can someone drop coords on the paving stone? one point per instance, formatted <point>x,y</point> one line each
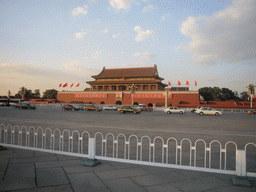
<point>155,170</point>
<point>122,165</point>
<point>33,159</point>
<point>123,184</point>
<point>162,188</point>
<point>86,182</point>
<point>147,180</point>
<point>39,153</point>
<point>234,189</point>
<point>3,164</point>
<point>192,174</point>
<point>113,174</point>
<point>61,188</point>
<point>19,176</point>
<point>200,184</point>
<point>66,157</point>
<point>58,164</point>
<point>51,177</point>
<point>83,169</point>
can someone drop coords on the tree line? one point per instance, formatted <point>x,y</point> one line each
<point>29,94</point>
<point>222,94</point>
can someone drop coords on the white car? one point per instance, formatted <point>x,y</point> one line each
<point>110,107</point>
<point>208,111</point>
<point>170,110</point>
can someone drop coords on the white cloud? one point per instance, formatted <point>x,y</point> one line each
<point>164,16</point>
<point>96,55</point>
<point>106,30</point>
<point>227,36</point>
<point>145,55</point>
<point>143,35</point>
<point>80,35</point>
<point>116,35</point>
<point>79,10</point>
<point>120,4</point>
<point>149,8</point>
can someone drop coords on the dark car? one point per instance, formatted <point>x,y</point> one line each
<point>69,108</point>
<point>26,106</point>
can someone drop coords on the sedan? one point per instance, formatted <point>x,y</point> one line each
<point>4,105</point>
<point>174,110</point>
<point>69,108</point>
<point>128,109</point>
<point>26,106</point>
<point>208,111</point>
<point>253,111</point>
<point>110,107</point>
<point>92,108</point>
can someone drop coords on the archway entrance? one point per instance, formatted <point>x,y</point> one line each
<point>118,103</point>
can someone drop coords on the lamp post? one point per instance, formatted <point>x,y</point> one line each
<point>250,91</point>
<point>132,90</point>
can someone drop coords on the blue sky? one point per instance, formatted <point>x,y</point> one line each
<point>45,43</point>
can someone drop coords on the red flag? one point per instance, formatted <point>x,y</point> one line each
<point>178,82</point>
<point>60,85</point>
<point>169,83</point>
<point>23,96</point>
<point>187,83</point>
<point>65,85</point>
<point>72,85</point>
<point>195,83</point>
<point>78,85</point>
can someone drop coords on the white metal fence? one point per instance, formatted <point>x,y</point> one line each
<point>198,155</point>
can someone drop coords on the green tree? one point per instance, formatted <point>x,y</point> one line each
<point>206,93</point>
<point>217,94</point>
<point>37,94</point>
<point>244,96</point>
<point>50,94</point>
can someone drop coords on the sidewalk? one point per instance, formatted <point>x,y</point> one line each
<point>25,170</point>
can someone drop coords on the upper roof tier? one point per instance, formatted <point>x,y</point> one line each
<point>128,72</point>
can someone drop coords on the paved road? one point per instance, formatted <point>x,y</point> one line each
<point>237,127</point>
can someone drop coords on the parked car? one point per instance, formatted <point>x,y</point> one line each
<point>79,106</point>
<point>253,111</point>
<point>92,108</point>
<point>208,111</point>
<point>69,108</point>
<point>4,104</point>
<point>128,109</point>
<point>194,110</point>
<point>110,107</point>
<point>143,107</point>
<point>26,105</point>
<point>170,110</point>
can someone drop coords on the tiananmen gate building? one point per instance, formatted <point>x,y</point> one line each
<point>113,87</point>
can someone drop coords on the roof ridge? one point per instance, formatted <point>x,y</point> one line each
<point>128,68</point>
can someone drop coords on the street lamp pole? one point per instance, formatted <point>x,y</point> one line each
<point>250,91</point>
<point>132,90</point>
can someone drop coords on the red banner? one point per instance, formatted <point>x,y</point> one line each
<point>148,96</point>
<point>91,95</point>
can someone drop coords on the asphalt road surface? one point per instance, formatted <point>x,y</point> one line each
<point>237,127</point>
